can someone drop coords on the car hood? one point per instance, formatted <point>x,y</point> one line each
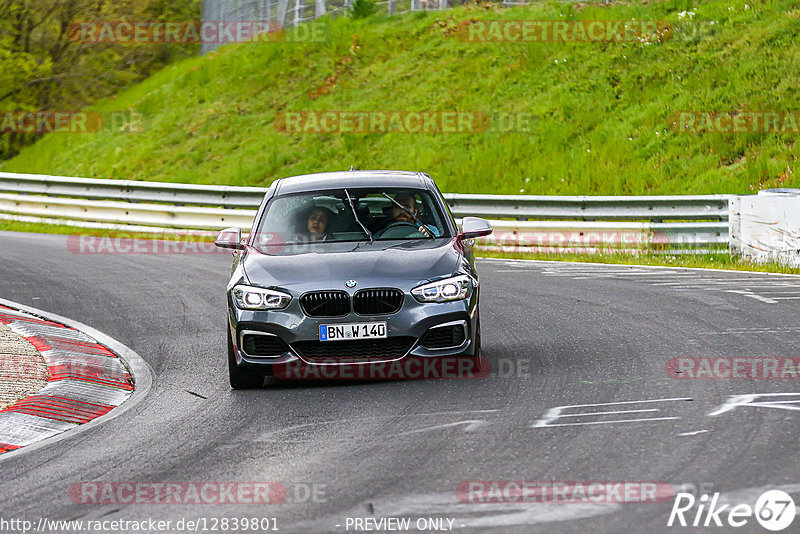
<point>369,264</point>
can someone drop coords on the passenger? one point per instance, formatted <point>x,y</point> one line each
<point>315,224</point>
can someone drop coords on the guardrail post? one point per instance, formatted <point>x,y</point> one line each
<point>283,6</point>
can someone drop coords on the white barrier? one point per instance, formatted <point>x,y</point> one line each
<point>766,227</point>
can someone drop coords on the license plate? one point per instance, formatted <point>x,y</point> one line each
<point>340,332</point>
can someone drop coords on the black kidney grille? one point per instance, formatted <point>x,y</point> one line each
<point>325,304</point>
<point>444,337</point>
<point>377,301</point>
<point>358,349</point>
<point>259,345</point>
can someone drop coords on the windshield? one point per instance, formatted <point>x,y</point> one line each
<point>329,216</point>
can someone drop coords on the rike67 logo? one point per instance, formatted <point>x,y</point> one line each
<point>774,510</point>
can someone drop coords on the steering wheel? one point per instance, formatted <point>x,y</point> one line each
<point>400,230</point>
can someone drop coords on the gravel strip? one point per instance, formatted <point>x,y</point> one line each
<point>23,371</point>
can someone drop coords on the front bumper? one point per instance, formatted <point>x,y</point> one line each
<point>413,320</point>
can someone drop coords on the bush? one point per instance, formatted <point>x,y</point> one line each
<point>362,9</point>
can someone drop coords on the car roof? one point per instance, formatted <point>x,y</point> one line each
<point>351,179</point>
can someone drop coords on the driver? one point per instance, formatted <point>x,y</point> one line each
<point>399,215</point>
<point>410,202</point>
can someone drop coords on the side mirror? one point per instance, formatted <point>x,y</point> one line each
<point>472,227</point>
<point>230,238</point>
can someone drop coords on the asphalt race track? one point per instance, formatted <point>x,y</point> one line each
<point>563,339</point>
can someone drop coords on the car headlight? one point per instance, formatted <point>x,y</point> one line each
<point>259,298</point>
<point>449,289</point>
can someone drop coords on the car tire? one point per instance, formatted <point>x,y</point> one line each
<point>478,363</point>
<point>241,378</point>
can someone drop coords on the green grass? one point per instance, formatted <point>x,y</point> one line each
<point>67,230</point>
<point>599,108</point>
<point>41,228</point>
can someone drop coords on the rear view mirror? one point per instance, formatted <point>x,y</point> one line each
<point>230,238</point>
<point>472,227</point>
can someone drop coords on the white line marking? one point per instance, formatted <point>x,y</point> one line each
<point>747,283</point>
<point>640,273</point>
<point>750,495</point>
<point>782,288</point>
<point>557,412</point>
<point>751,295</point>
<point>471,425</point>
<point>553,264</point>
<point>610,422</point>
<point>608,413</point>
<point>267,435</point>
<point>749,289</point>
<point>762,329</point>
<point>625,402</point>
<point>750,400</point>
<point>696,432</point>
<point>734,332</point>
<point>753,331</point>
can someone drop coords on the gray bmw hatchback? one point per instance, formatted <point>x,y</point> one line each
<point>355,269</point>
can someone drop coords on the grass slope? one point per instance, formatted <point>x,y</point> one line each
<point>600,108</point>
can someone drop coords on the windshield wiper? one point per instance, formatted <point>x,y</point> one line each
<point>423,229</point>
<point>355,215</point>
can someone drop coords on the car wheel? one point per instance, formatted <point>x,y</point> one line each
<point>478,363</point>
<point>241,378</point>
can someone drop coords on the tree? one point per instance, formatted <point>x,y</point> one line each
<point>44,67</point>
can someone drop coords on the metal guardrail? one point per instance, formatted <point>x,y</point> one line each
<point>133,190</point>
<point>582,222</point>
<point>592,208</point>
<point>121,213</point>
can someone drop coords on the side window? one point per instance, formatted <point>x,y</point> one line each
<point>446,206</point>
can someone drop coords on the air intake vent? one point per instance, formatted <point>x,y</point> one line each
<point>325,304</point>
<point>444,337</point>
<point>263,345</point>
<point>377,301</point>
<point>360,349</point>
